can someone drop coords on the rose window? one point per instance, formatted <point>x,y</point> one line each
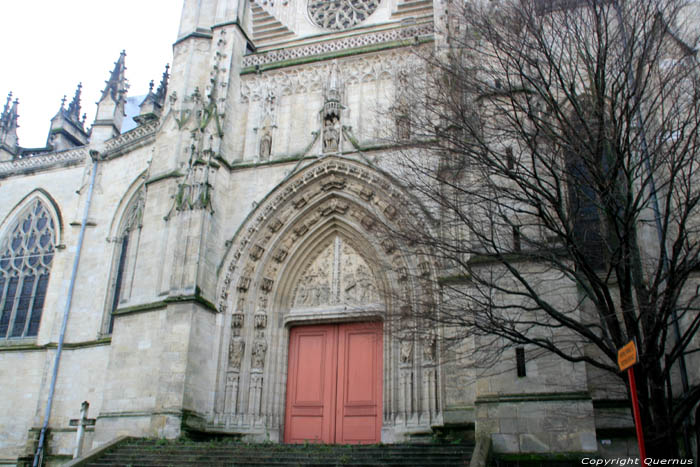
<point>341,14</point>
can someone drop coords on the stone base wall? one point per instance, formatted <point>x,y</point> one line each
<point>544,426</point>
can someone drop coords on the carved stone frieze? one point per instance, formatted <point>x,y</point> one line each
<point>294,80</point>
<point>338,274</point>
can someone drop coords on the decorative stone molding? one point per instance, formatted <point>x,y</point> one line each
<point>343,44</point>
<point>130,137</point>
<point>43,161</point>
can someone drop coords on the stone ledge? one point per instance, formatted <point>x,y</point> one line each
<point>53,345</point>
<point>145,307</point>
<point>542,397</point>
<point>333,55</point>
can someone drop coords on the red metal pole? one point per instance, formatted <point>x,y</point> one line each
<point>637,416</point>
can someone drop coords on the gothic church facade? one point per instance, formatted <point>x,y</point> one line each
<point>217,264</point>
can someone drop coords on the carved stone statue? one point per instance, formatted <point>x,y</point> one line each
<point>406,351</point>
<point>235,352</point>
<point>429,349</point>
<point>265,145</point>
<point>258,354</point>
<point>237,320</point>
<point>260,321</point>
<point>331,134</point>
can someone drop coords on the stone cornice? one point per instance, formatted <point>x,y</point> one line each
<point>43,162</point>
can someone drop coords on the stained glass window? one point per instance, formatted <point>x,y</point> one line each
<point>26,255</point>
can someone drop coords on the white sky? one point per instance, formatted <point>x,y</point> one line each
<point>48,46</point>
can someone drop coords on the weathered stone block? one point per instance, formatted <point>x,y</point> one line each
<point>504,443</point>
<point>534,442</point>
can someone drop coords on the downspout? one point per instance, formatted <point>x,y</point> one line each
<point>52,388</point>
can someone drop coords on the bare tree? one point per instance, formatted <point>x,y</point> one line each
<point>556,144</point>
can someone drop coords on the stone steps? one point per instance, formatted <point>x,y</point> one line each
<point>265,26</point>
<point>414,8</point>
<point>154,453</point>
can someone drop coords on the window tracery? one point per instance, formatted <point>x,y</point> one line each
<point>26,255</point>
<point>340,14</point>
<point>127,246</point>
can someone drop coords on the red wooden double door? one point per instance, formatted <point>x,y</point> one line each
<point>334,384</point>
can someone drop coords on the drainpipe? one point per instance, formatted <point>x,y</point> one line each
<point>52,388</point>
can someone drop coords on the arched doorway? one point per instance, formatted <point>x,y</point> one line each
<point>312,254</point>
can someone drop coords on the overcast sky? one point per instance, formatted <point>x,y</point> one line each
<point>48,46</point>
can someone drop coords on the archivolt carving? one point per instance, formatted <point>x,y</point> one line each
<point>272,234</point>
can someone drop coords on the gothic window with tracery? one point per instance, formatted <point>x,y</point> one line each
<point>340,14</point>
<point>125,255</point>
<point>26,254</point>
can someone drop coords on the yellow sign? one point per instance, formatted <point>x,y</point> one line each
<point>627,356</point>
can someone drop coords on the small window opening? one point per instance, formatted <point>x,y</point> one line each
<point>520,361</point>
<point>510,159</point>
<point>516,238</point>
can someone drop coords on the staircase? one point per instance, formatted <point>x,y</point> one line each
<point>141,452</point>
<point>267,28</point>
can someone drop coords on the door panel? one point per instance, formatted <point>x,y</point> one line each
<point>334,385</point>
<point>311,384</point>
<point>359,383</point>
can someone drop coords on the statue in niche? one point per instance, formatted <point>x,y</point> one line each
<point>265,145</point>
<point>429,349</point>
<point>235,353</point>
<point>406,351</point>
<point>403,128</point>
<point>331,134</point>
<point>258,354</point>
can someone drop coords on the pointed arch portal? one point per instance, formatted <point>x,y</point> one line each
<point>309,281</point>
